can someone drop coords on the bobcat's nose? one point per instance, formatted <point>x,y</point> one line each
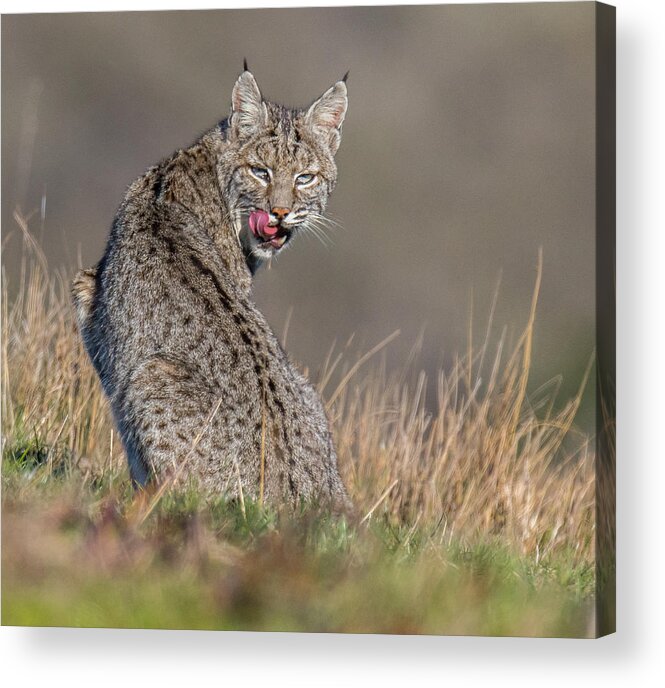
<point>280,213</point>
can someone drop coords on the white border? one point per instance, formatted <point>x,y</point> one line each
<point>70,657</point>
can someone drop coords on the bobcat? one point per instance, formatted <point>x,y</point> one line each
<point>198,383</point>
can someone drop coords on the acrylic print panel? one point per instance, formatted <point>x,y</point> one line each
<point>430,238</point>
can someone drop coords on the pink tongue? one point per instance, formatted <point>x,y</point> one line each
<point>258,223</point>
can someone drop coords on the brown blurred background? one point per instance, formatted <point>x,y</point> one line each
<point>469,143</point>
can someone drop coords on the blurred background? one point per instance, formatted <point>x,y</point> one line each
<point>468,144</point>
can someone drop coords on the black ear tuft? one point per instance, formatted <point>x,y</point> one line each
<point>346,76</point>
<point>245,68</point>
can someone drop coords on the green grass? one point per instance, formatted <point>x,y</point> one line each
<point>479,505</point>
<point>82,552</point>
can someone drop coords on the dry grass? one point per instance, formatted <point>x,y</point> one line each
<point>491,461</point>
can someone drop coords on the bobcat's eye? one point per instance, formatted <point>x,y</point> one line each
<point>303,180</point>
<point>261,173</point>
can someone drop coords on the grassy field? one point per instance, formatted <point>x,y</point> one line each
<point>474,518</point>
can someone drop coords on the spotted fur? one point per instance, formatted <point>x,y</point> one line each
<point>198,383</point>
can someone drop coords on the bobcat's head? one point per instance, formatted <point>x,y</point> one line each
<point>278,170</point>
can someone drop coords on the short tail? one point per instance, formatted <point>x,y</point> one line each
<point>83,290</point>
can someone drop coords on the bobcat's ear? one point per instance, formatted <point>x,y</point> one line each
<point>326,115</point>
<point>248,111</point>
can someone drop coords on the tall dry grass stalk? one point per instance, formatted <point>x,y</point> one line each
<point>50,392</point>
<point>490,460</point>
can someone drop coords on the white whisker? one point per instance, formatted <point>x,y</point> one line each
<point>316,232</point>
<point>327,220</point>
